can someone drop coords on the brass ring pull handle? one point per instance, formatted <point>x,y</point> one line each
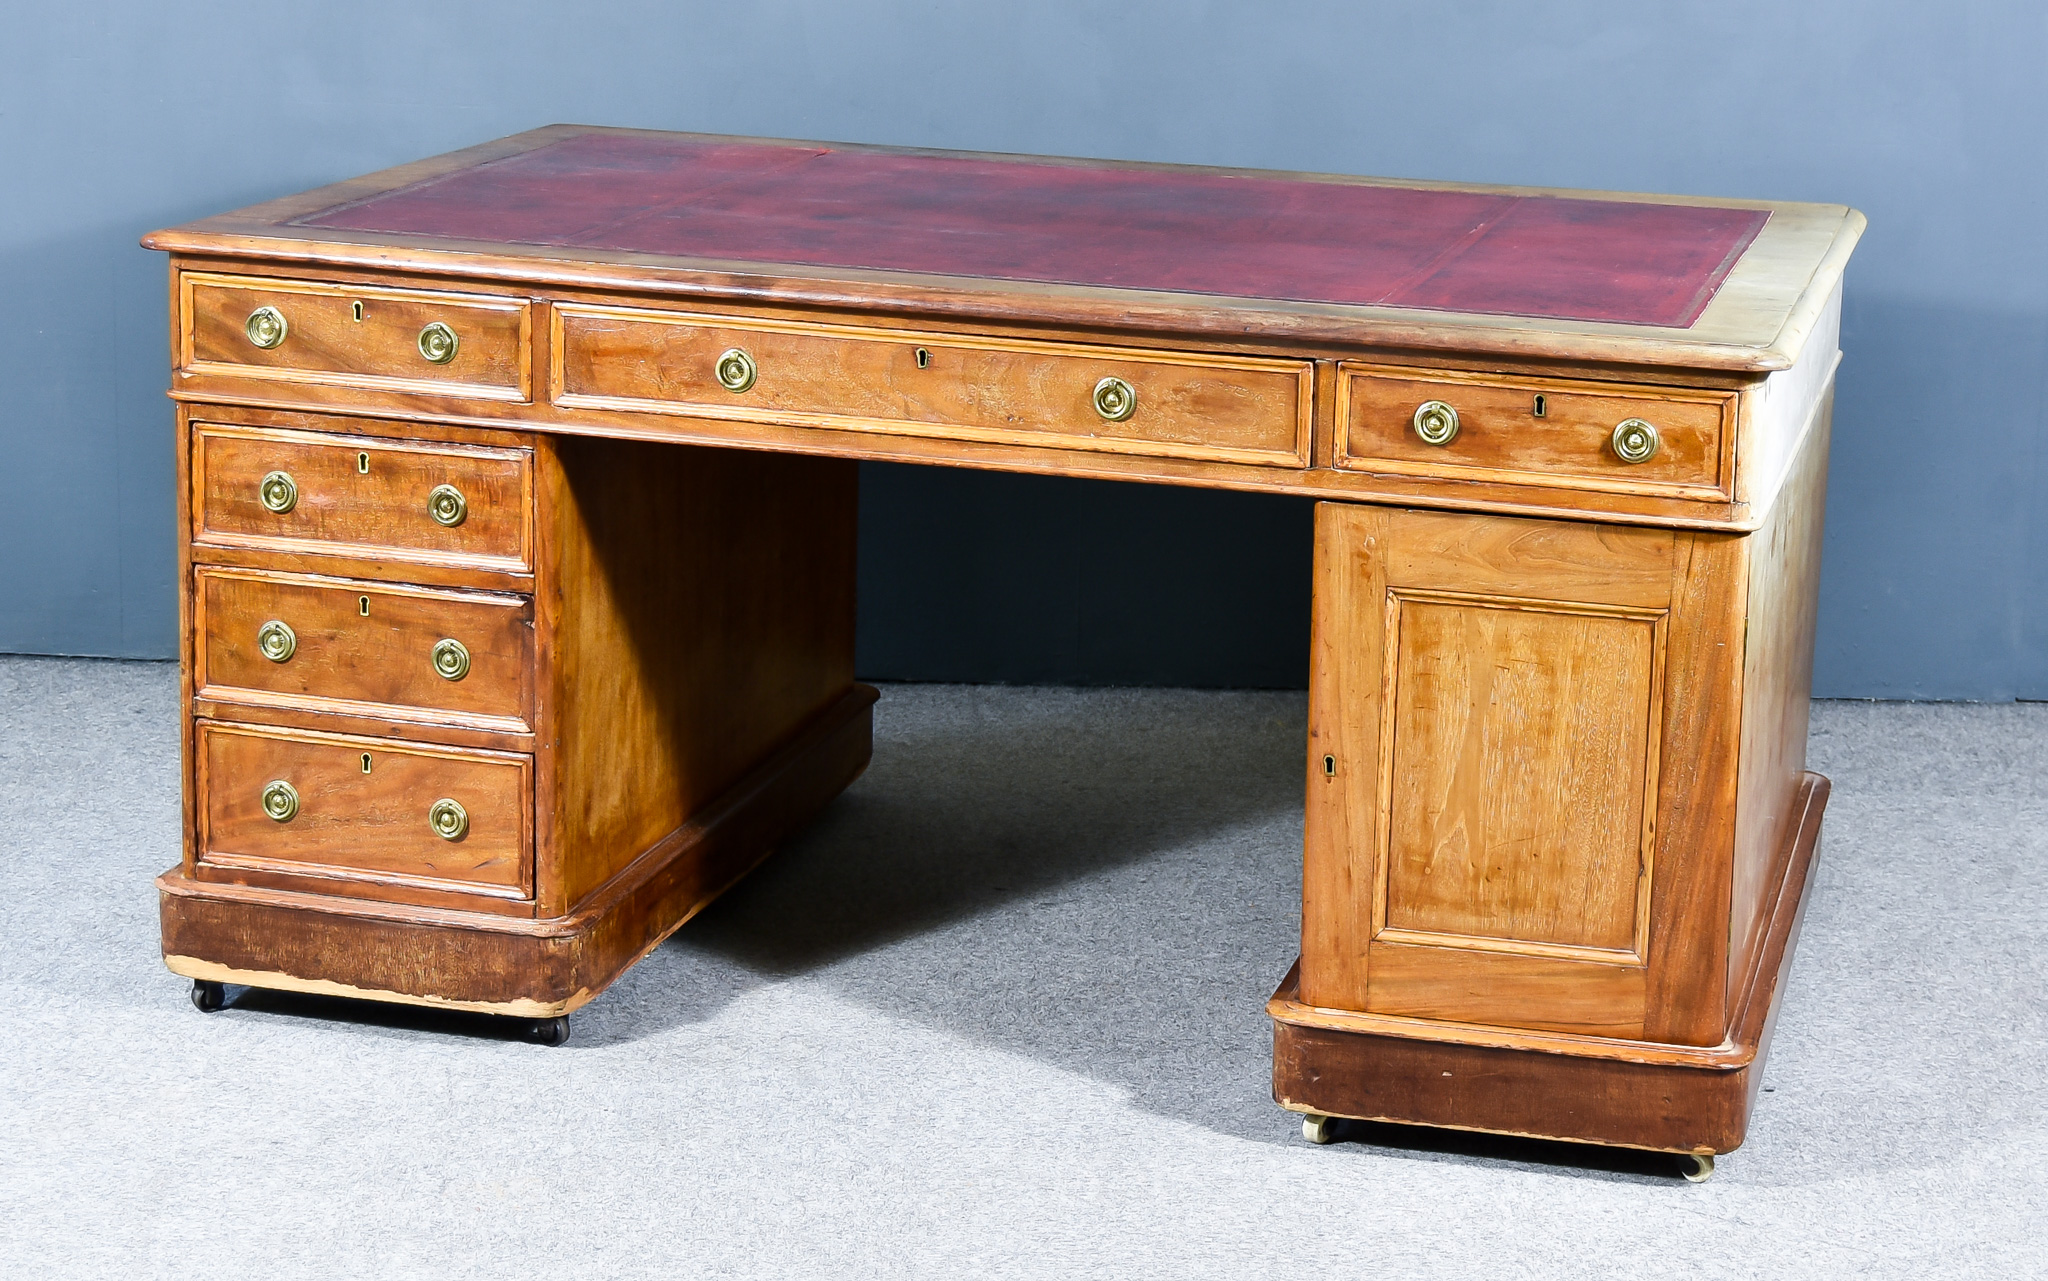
<point>266,327</point>
<point>1635,441</point>
<point>280,800</point>
<point>448,819</point>
<point>277,640</point>
<point>451,659</point>
<point>278,492</point>
<point>447,506</point>
<point>1115,399</point>
<point>438,343</point>
<point>1436,422</point>
<point>736,370</point>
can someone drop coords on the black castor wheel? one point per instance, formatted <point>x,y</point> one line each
<point>552,1031</point>
<point>208,996</point>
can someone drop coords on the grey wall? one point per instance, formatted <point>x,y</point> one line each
<point>122,116</point>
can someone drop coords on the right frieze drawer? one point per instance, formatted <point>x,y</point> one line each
<point>1670,441</point>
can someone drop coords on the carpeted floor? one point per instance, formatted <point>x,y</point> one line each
<point>998,1014</point>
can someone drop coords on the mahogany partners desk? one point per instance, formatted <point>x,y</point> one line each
<point>517,491</point>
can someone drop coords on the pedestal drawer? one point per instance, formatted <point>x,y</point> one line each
<point>956,386</point>
<point>355,335</point>
<point>313,492</point>
<point>365,810</point>
<point>337,645</point>
<point>1535,431</point>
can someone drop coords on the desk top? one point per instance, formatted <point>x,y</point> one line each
<point>1295,257</point>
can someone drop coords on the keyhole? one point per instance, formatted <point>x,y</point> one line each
<point>1330,766</point>
<point>366,762</point>
<point>924,359</point>
<point>363,606</point>
<point>355,310</point>
<point>363,464</point>
<point>1539,406</point>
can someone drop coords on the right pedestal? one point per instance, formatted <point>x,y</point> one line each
<point>1559,825</point>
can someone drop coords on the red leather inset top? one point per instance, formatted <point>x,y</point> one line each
<point>1023,220</point>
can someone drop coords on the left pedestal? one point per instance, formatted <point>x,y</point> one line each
<point>477,718</point>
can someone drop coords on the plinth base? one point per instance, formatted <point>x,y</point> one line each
<point>1670,1098</point>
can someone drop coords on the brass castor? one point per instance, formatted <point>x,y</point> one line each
<point>1317,1128</point>
<point>208,996</point>
<point>1697,1167</point>
<point>552,1031</point>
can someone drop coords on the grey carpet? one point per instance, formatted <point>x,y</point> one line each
<point>997,1014</point>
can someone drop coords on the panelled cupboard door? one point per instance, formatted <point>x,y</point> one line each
<point>1488,704</point>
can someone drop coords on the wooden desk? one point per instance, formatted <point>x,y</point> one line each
<point>518,497</point>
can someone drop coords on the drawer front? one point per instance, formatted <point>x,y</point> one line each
<point>355,335</point>
<point>362,496</point>
<point>1216,408</point>
<point>336,645</point>
<point>1535,432</point>
<point>304,803</point>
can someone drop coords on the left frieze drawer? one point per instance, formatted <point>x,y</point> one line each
<point>472,345</point>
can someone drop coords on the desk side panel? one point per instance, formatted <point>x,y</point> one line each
<point>704,606</point>
<point>1777,682</point>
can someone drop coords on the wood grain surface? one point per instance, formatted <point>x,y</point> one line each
<point>703,608</point>
<point>932,383</point>
<point>1502,437</point>
<point>361,496</point>
<point>1777,680</point>
<point>1521,740</point>
<point>361,828</point>
<point>365,647</point>
<point>358,335</point>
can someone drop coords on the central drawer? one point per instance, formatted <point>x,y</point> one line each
<point>336,645</point>
<point>368,810</point>
<point>953,386</point>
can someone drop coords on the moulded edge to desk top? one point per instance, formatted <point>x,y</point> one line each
<point>1756,323</point>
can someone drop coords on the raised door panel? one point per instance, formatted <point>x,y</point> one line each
<point>1486,724</point>
<point>1521,775</point>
